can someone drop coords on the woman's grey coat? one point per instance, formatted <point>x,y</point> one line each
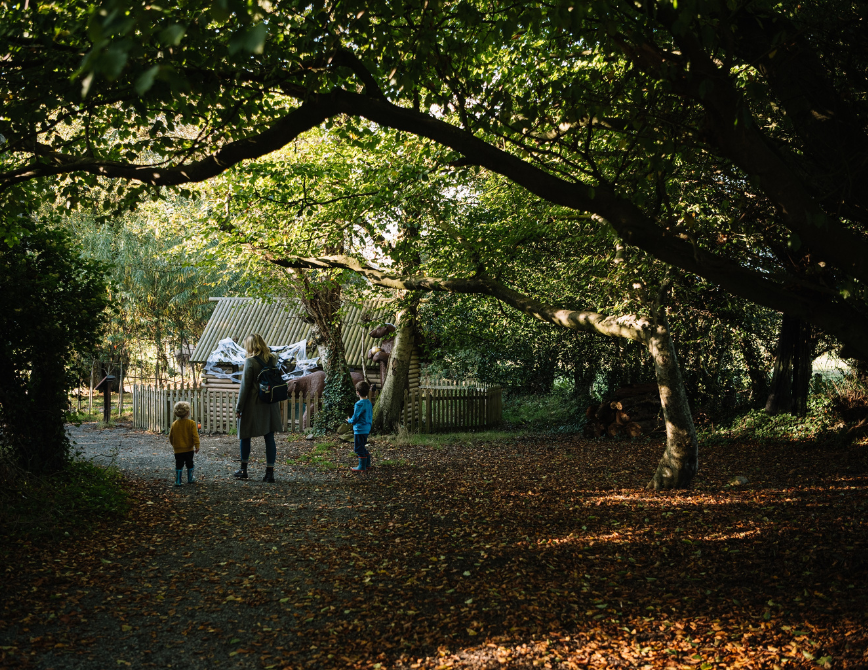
<point>257,418</point>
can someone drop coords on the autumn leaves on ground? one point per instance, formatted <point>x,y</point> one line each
<point>539,551</point>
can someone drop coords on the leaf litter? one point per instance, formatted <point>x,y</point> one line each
<point>533,552</point>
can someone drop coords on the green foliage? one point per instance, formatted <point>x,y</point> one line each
<point>159,285</point>
<point>68,502</point>
<point>594,107</point>
<point>559,411</point>
<point>822,422</point>
<point>51,300</point>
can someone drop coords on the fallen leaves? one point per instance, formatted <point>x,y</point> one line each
<point>539,552</point>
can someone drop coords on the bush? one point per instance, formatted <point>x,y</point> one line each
<point>50,303</point>
<point>71,500</point>
<point>559,411</point>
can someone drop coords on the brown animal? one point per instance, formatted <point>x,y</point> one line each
<point>310,385</point>
<point>382,331</point>
<point>313,385</point>
<point>380,354</point>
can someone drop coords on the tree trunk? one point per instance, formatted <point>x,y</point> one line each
<point>759,383</point>
<point>803,358</point>
<point>791,379</point>
<point>321,298</point>
<point>680,461</point>
<point>781,398</point>
<point>387,412</point>
<point>339,394</point>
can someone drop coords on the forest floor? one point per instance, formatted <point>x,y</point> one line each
<point>541,551</point>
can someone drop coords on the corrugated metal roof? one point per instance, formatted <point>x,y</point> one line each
<point>280,323</point>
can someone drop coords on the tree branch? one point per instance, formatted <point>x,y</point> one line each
<point>630,326</point>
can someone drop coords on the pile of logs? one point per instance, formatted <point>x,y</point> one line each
<point>632,411</point>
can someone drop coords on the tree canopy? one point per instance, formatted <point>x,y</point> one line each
<point>724,138</point>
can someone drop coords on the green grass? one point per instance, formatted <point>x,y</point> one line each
<point>65,503</point>
<point>83,417</point>
<point>322,456</point>
<point>393,462</point>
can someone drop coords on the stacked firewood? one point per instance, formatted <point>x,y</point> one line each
<point>632,411</point>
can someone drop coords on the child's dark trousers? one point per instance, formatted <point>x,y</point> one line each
<point>184,459</point>
<point>359,445</point>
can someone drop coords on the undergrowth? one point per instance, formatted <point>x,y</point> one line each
<point>558,412</point>
<point>65,503</point>
<point>832,408</point>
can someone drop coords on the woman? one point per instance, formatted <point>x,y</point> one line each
<point>256,418</point>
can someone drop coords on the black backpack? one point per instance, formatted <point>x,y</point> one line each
<point>272,387</point>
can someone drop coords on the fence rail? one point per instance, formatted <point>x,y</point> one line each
<point>426,410</point>
<point>212,409</point>
<point>431,410</point>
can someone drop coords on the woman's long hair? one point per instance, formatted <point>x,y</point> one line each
<point>256,346</point>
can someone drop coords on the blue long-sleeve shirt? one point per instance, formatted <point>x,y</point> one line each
<point>363,414</point>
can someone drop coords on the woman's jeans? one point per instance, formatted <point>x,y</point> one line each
<point>270,450</point>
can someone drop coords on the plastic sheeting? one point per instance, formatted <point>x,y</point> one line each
<point>230,353</point>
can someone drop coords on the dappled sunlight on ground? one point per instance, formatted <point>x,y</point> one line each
<point>490,555</point>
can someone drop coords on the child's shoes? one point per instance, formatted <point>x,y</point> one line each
<point>178,474</point>
<point>190,478</point>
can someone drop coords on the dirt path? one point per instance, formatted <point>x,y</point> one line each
<point>525,554</point>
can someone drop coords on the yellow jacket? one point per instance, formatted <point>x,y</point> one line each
<point>183,436</point>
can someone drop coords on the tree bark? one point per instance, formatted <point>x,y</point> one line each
<point>680,461</point>
<point>759,383</point>
<point>791,378</point>
<point>322,302</point>
<point>781,396</point>
<point>803,358</point>
<point>387,412</point>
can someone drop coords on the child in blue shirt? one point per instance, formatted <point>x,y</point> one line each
<point>363,414</point>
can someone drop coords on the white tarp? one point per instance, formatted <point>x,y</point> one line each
<point>229,353</point>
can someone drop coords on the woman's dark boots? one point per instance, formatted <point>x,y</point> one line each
<point>242,473</point>
<point>269,475</point>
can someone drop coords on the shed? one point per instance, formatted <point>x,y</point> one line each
<point>281,322</point>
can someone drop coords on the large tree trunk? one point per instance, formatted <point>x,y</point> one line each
<point>387,412</point>
<point>803,358</point>
<point>791,378</point>
<point>321,299</point>
<point>680,461</point>
<point>759,383</point>
<point>781,397</point>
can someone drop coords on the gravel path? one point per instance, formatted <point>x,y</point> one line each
<point>142,454</point>
<point>156,592</point>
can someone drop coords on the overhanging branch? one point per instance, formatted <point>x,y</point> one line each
<point>631,327</point>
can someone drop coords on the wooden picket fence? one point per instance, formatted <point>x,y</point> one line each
<point>213,409</point>
<point>426,410</point>
<point>432,410</point>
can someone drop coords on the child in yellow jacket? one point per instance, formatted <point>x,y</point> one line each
<point>183,436</point>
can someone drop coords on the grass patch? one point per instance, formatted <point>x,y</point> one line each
<point>393,463</point>
<point>65,503</point>
<point>323,456</point>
